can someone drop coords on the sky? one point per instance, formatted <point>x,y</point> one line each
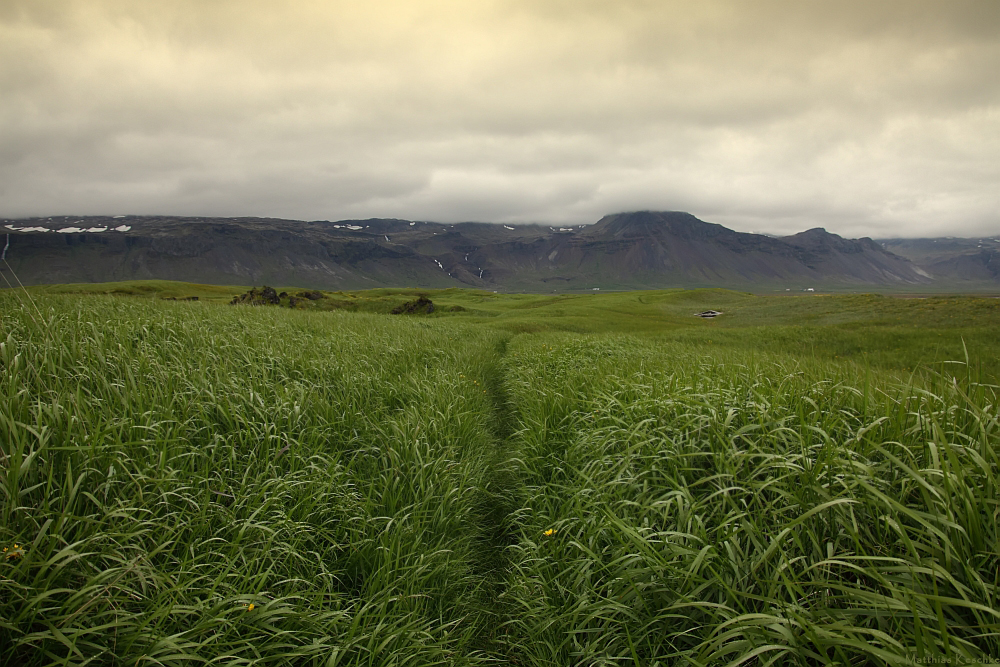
<point>868,118</point>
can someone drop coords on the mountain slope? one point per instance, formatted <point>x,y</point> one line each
<point>642,249</point>
<point>975,260</point>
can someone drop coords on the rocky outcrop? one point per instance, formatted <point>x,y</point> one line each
<point>265,296</point>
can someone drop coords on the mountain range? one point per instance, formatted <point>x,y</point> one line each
<point>636,250</point>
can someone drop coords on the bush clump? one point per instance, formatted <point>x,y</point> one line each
<point>419,306</point>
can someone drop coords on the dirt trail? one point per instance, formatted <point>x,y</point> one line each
<point>497,508</point>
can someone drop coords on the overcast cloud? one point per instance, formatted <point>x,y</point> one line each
<point>868,118</point>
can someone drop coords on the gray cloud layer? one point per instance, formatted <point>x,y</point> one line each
<point>868,118</point>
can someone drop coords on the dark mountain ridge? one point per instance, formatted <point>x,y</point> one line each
<point>636,250</point>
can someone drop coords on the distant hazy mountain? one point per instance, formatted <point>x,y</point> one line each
<point>952,259</point>
<point>627,250</point>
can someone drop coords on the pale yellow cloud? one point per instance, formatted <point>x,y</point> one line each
<point>874,118</point>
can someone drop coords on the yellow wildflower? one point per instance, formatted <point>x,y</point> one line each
<point>250,607</point>
<point>550,532</point>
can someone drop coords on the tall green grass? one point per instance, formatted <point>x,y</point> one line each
<point>712,510</point>
<point>165,467</point>
<point>393,491</point>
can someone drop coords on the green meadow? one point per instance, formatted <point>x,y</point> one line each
<point>581,479</point>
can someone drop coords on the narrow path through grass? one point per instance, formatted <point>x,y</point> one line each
<point>496,509</point>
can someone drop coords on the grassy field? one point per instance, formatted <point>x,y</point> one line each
<point>527,480</point>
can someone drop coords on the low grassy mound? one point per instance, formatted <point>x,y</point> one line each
<point>419,306</point>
